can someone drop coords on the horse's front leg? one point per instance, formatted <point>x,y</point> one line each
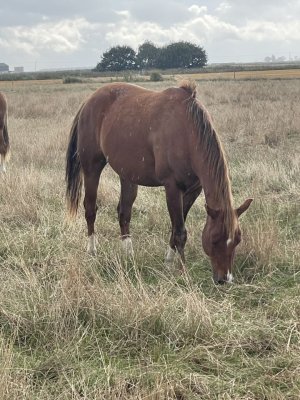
<point>127,197</point>
<point>178,237</point>
<point>2,164</point>
<point>189,197</point>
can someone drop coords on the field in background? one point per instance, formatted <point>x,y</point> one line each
<point>77,327</point>
<point>227,72</point>
<point>245,75</point>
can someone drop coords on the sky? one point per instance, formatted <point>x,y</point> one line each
<point>38,34</point>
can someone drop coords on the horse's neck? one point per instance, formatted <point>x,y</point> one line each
<point>214,198</point>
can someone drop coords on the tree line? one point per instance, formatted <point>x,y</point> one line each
<point>149,56</point>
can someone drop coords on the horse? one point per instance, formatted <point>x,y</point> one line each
<point>4,139</point>
<point>155,138</point>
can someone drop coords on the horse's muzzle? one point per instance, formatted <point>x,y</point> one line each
<point>228,278</point>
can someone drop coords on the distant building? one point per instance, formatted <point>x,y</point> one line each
<point>18,69</point>
<point>4,68</point>
<point>275,59</point>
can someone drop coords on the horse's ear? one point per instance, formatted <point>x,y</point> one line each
<point>243,207</point>
<point>211,212</point>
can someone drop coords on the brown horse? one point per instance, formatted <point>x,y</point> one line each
<point>155,139</point>
<point>4,139</point>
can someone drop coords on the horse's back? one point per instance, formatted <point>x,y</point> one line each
<point>134,109</point>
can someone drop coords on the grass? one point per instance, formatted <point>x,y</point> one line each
<point>73,326</point>
<point>250,74</point>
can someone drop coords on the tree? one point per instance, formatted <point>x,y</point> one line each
<point>118,58</point>
<point>176,55</point>
<point>147,55</point>
<point>181,55</point>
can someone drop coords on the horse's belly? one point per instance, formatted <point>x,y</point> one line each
<point>138,171</point>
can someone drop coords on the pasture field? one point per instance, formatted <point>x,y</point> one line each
<point>74,326</point>
<point>249,75</point>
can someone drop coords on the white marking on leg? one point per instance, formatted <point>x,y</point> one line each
<point>229,241</point>
<point>2,164</point>
<point>91,247</point>
<point>170,255</point>
<point>229,277</point>
<point>127,246</point>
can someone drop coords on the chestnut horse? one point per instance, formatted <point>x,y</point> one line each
<point>155,139</point>
<point>4,139</point>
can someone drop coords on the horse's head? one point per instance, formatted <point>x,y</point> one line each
<point>218,246</point>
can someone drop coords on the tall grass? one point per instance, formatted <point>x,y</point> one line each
<point>79,327</point>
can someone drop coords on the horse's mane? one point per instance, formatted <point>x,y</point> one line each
<point>216,160</point>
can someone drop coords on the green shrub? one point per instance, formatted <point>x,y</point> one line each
<point>72,79</point>
<point>156,77</point>
<point>128,76</point>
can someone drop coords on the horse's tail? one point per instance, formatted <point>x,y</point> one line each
<point>73,169</point>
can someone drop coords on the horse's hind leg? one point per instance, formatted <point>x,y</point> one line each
<point>179,234</point>
<point>127,197</point>
<point>91,182</point>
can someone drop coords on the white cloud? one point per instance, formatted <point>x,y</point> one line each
<point>240,12</point>
<point>124,13</point>
<point>197,10</point>
<point>62,36</point>
<point>202,28</point>
<point>268,30</point>
<point>223,7</point>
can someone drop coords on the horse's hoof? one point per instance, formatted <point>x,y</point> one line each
<point>92,252</point>
<point>91,247</point>
<point>170,256</point>
<point>127,247</point>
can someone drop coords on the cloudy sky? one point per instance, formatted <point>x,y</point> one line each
<point>40,34</point>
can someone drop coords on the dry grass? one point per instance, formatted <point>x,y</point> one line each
<point>77,327</point>
<point>252,75</point>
